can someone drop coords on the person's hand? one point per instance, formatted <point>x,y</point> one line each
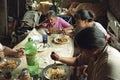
<point>19,53</point>
<point>64,31</point>
<point>54,56</point>
<point>85,72</point>
<point>44,24</point>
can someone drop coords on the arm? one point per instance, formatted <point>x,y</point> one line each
<point>67,60</point>
<point>14,53</point>
<point>79,60</point>
<point>66,26</point>
<point>43,24</point>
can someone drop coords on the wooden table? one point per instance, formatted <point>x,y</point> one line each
<point>65,50</point>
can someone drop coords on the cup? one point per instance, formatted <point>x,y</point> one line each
<point>44,37</point>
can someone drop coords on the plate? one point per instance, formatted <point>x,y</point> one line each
<point>56,73</point>
<point>10,63</point>
<point>53,30</point>
<point>61,40</point>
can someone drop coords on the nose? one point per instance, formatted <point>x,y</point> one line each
<point>50,21</point>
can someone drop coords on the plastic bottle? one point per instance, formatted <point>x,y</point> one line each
<point>32,57</point>
<point>30,47</point>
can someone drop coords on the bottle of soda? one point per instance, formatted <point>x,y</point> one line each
<point>30,47</point>
<point>32,57</point>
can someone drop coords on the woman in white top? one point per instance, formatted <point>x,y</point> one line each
<point>85,18</point>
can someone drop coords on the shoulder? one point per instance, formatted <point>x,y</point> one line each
<point>112,51</point>
<point>113,57</point>
<point>59,18</point>
<point>97,24</point>
<point>1,46</point>
<point>100,27</point>
<point>113,63</point>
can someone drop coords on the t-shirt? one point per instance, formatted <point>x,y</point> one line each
<point>105,67</point>
<point>1,47</point>
<point>96,25</point>
<point>100,27</point>
<point>60,23</point>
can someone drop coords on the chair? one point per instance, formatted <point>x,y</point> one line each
<point>29,21</point>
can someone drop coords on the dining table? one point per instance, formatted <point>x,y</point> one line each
<point>44,52</point>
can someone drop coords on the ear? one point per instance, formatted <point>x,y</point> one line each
<point>85,21</point>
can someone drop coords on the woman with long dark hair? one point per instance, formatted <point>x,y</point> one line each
<point>102,59</point>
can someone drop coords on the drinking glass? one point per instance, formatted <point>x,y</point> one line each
<point>44,37</point>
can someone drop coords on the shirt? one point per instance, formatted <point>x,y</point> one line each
<point>100,27</point>
<point>105,67</point>
<point>96,25</point>
<point>1,47</point>
<point>60,23</point>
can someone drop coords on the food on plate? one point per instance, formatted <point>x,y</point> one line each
<point>9,64</point>
<point>53,30</point>
<point>62,39</point>
<point>56,73</point>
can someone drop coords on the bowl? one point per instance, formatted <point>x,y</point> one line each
<point>56,72</point>
<point>9,64</point>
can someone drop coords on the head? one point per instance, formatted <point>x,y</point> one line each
<point>90,41</point>
<point>51,16</point>
<point>84,17</point>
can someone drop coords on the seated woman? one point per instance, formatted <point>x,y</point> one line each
<point>6,51</point>
<point>53,21</point>
<point>85,18</point>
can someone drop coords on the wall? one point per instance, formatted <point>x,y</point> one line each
<point>114,6</point>
<point>3,17</point>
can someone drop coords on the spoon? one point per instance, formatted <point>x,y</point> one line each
<point>55,65</point>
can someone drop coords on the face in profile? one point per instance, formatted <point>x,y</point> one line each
<point>52,20</point>
<point>81,23</point>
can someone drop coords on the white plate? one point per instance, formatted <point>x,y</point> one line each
<point>60,41</point>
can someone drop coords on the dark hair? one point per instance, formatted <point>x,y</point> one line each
<point>51,13</point>
<point>83,14</point>
<point>90,38</point>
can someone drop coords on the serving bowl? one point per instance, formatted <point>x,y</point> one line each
<point>9,64</point>
<point>56,72</point>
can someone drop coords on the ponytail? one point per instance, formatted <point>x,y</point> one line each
<point>91,15</point>
<point>83,14</point>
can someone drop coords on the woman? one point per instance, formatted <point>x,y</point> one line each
<point>53,21</point>
<point>85,18</point>
<point>102,59</point>
<point>6,51</point>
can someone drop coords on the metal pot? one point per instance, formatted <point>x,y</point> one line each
<point>54,65</point>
